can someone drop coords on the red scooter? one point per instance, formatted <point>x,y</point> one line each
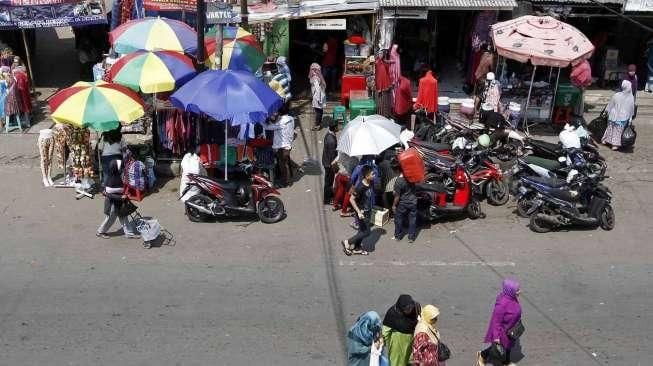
<point>452,196</point>
<point>487,179</point>
<point>220,198</point>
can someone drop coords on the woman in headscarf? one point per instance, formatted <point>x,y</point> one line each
<point>491,95</point>
<point>507,312</point>
<point>318,90</point>
<point>114,199</point>
<point>282,67</point>
<point>620,112</point>
<point>361,338</point>
<point>398,328</point>
<point>427,338</point>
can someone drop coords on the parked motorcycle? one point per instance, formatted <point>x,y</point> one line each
<point>487,178</point>
<point>233,198</point>
<point>584,202</point>
<point>451,196</point>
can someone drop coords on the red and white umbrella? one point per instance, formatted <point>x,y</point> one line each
<point>544,41</point>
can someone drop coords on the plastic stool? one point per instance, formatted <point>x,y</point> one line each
<point>9,127</point>
<point>340,114</point>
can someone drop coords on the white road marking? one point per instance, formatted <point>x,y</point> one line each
<point>426,263</point>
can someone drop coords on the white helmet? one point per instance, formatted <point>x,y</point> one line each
<point>569,139</point>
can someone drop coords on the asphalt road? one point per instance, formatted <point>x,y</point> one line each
<point>243,293</point>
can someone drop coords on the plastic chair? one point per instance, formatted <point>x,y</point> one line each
<point>340,114</point>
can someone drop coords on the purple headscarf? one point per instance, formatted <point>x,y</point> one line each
<point>510,287</point>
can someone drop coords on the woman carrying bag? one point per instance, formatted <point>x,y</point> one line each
<point>620,113</point>
<point>428,350</point>
<point>116,203</point>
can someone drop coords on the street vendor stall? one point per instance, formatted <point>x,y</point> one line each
<point>544,42</point>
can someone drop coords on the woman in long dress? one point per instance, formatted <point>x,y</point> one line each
<point>363,338</point>
<point>427,338</point>
<point>620,112</point>
<point>506,313</point>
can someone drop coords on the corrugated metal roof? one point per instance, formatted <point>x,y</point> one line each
<point>584,2</point>
<point>639,5</point>
<point>451,4</point>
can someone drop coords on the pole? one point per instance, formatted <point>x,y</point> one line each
<point>555,94</point>
<point>29,57</point>
<point>225,150</point>
<point>201,21</point>
<point>528,99</point>
<point>244,14</point>
<point>219,30</point>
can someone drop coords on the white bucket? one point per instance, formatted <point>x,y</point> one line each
<point>467,107</point>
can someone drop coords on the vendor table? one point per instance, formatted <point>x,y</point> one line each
<point>365,107</point>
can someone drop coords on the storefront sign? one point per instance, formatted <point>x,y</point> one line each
<point>326,24</point>
<point>221,13</point>
<point>24,14</point>
<point>405,14</point>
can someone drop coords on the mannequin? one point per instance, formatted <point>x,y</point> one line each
<point>12,103</point>
<point>46,149</point>
<point>427,94</point>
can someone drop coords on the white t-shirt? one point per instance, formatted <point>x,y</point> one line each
<point>284,132</point>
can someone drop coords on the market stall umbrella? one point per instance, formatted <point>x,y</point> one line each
<point>228,95</point>
<point>544,41</point>
<point>153,34</point>
<point>240,50</point>
<point>98,105</point>
<point>152,72</point>
<point>368,135</point>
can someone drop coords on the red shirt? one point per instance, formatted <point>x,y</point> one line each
<point>330,58</point>
<point>427,93</point>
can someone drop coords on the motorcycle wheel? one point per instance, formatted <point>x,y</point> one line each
<point>194,214</point>
<point>474,210</point>
<point>271,210</point>
<point>523,205</point>
<point>606,218</point>
<point>497,193</point>
<point>538,225</point>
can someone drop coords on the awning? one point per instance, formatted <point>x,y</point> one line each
<point>579,2</point>
<point>451,4</point>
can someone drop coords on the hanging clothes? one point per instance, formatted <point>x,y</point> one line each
<point>427,93</point>
<point>12,100</point>
<point>22,84</point>
<point>383,86</point>
<point>3,96</point>
<point>62,135</point>
<point>80,153</point>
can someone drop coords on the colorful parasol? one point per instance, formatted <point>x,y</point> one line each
<point>152,72</point>
<point>153,34</point>
<point>98,105</point>
<point>240,50</point>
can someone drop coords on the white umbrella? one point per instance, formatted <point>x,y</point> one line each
<point>368,135</point>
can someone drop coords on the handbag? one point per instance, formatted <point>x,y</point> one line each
<point>598,125</point>
<point>444,353</point>
<point>628,136</point>
<point>127,208</point>
<point>497,352</point>
<point>516,331</point>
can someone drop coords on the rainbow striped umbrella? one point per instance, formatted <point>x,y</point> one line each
<point>152,72</point>
<point>98,105</point>
<point>153,34</point>
<point>240,50</point>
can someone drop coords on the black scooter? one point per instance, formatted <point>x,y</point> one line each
<point>584,202</point>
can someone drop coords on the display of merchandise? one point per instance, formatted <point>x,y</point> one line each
<point>46,150</point>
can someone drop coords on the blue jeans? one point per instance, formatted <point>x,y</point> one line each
<point>406,211</point>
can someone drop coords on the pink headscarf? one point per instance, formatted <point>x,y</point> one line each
<point>510,288</point>
<point>316,72</point>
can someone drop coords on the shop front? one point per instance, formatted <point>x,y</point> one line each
<point>442,36</point>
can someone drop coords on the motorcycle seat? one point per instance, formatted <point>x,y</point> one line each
<point>551,182</point>
<point>547,164</point>
<point>435,146</point>
<point>431,187</point>
<point>545,145</point>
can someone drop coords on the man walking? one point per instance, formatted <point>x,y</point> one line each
<point>329,155</point>
<point>284,134</point>
<point>405,207</point>
<point>362,203</point>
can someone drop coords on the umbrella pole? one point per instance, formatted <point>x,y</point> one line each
<point>555,94</point>
<point>528,99</point>
<point>225,150</point>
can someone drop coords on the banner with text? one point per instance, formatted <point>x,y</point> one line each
<point>24,14</point>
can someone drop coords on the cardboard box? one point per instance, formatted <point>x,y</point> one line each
<point>380,216</point>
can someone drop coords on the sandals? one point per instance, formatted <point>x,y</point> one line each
<point>359,252</point>
<point>345,248</point>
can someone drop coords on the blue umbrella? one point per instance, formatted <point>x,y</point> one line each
<point>228,95</point>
